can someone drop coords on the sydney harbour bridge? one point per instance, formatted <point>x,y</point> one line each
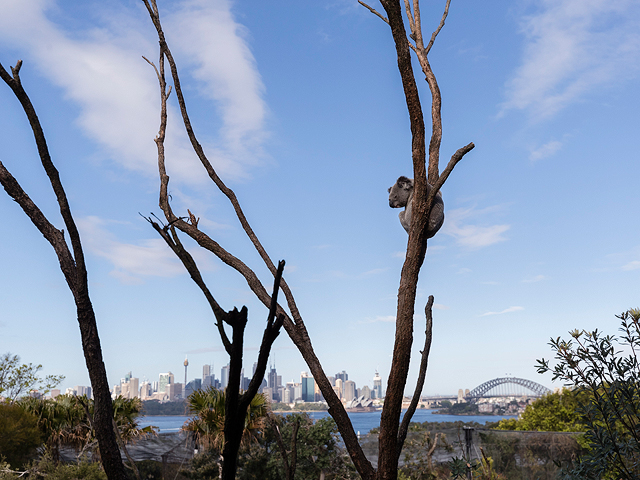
<point>506,387</point>
<point>501,387</point>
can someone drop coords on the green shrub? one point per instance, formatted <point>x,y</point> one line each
<point>19,435</point>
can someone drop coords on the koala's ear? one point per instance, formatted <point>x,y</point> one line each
<point>389,190</point>
<point>405,183</point>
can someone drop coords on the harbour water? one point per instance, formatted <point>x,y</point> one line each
<point>362,422</point>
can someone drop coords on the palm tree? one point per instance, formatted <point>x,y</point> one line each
<point>61,421</point>
<point>125,413</point>
<point>67,420</point>
<point>208,407</point>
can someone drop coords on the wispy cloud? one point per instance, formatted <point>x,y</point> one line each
<point>439,306</point>
<point>101,70</point>
<point>634,265</point>
<point>545,151</point>
<point>469,235</point>
<point>506,310</point>
<point>627,260</point>
<point>149,257</point>
<point>573,47</point>
<point>537,278</point>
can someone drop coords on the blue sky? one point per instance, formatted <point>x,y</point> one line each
<point>300,107</point>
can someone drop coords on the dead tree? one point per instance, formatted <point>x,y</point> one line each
<point>392,434</point>
<point>236,404</point>
<point>75,273</point>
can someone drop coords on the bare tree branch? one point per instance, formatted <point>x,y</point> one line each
<point>75,273</point>
<point>437,31</point>
<point>408,415</point>
<point>295,328</point>
<point>372,10</point>
<point>289,462</point>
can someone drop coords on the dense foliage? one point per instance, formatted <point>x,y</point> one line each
<point>554,412</point>
<point>67,421</point>
<point>155,407</point>
<point>19,434</point>
<point>47,469</point>
<point>318,450</point>
<point>604,368</point>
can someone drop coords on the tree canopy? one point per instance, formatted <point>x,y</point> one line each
<point>17,380</point>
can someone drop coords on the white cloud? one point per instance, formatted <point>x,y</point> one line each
<point>537,278</point>
<point>506,310</point>
<point>545,151</point>
<point>439,306</point>
<point>472,236</point>
<point>150,257</point>
<point>573,47</point>
<point>634,265</point>
<point>101,70</point>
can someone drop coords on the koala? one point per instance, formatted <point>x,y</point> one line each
<point>401,195</point>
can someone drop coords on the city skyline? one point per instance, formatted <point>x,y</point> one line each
<point>166,388</point>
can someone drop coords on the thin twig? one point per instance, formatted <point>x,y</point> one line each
<point>435,34</point>
<point>374,11</point>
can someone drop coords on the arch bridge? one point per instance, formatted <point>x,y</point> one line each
<point>483,390</point>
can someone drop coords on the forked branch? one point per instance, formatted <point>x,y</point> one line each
<point>294,325</point>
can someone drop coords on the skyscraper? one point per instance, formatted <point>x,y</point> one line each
<point>377,385</point>
<point>186,364</point>
<point>349,389</point>
<point>272,379</point>
<point>308,387</point>
<point>224,376</point>
<point>164,380</point>
<point>342,376</point>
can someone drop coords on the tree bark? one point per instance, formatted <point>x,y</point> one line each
<point>75,273</point>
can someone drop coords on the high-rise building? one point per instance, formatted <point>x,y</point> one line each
<point>338,388</point>
<point>342,376</point>
<point>274,382</point>
<point>164,380</point>
<point>297,392</point>
<point>377,385</point>
<point>268,393</point>
<point>206,371</point>
<point>134,389</point>
<point>174,391</point>
<point>349,390</point>
<point>308,387</point>
<point>224,376</point>
<point>80,390</point>
<point>192,386</point>
<point>365,392</point>
<point>272,378</point>
<point>55,392</point>
<point>145,391</point>
<point>186,364</point>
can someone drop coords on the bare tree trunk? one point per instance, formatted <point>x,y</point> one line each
<point>75,273</point>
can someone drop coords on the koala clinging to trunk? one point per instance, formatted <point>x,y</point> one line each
<point>401,195</point>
